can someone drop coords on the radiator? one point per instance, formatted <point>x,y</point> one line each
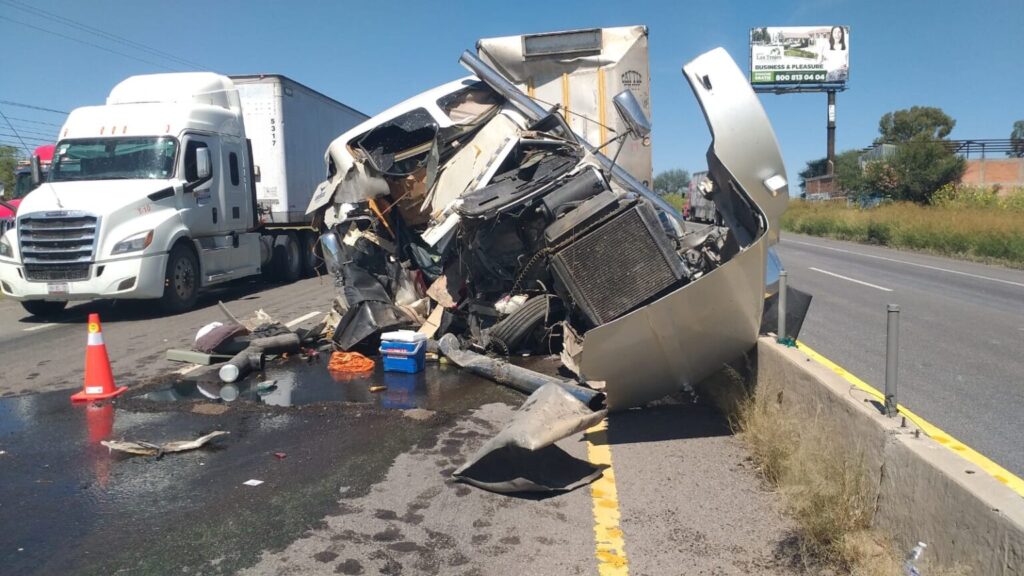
<point>619,266</point>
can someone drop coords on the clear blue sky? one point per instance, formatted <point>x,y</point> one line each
<point>965,57</point>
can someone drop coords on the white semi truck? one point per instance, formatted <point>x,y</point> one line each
<point>180,182</point>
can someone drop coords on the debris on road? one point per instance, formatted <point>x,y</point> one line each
<point>524,458</point>
<point>253,482</point>
<point>350,363</point>
<point>148,449</point>
<point>252,358</point>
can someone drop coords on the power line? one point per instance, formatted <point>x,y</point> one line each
<point>101,33</point>
<point>28,138</point>
<point>87,43</point>
<point>13,129</point>
<point>33,121</point>
<point>30,106</point>
<point>34,132</point>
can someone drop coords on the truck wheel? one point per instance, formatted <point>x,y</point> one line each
<point>43,308</point>
<point>287,260</point>
<point>312,262</point>
<point>181,284</point>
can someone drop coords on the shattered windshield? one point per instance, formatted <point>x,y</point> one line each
<point>400,146</point>
<point>114,159</point>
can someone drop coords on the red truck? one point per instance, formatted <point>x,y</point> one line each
<point>23,185</point>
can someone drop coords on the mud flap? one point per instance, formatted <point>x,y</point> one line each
<point>524,458</point>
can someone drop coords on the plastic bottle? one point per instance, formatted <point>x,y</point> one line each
<point>910,564</point>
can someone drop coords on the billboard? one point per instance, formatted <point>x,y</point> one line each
<point>792,55</point>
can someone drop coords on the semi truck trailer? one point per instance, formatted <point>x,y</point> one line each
<point>180,182</point>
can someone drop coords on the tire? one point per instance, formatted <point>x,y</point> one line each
<point>43,308</point>
<point>181,281</point>
<point>287,260</point>
<point>312,262</point>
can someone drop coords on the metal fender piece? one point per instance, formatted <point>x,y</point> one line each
<point>523,457</point>
<point>688,334</point>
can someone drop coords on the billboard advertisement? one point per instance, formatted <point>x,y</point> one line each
<point>787,56</point>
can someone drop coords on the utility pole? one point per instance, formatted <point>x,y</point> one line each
<point>831,132</point>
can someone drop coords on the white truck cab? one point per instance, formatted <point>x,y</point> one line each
<point>153,196</point>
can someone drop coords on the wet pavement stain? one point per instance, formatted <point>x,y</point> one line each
<point>73,497</point>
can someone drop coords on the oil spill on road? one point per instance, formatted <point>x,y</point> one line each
<point>299,383</point>
<point>81,509</point>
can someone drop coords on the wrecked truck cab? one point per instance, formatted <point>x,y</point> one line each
<point>473,210</point>
<point>403,142</point>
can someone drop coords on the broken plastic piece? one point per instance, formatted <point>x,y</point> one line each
<point>146,449</point>
<point>523,457</point>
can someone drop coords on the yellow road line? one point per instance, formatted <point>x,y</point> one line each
<point>610,548</point>
<point>966,452</point>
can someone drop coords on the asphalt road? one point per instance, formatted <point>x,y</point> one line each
<point>39,356</point>
<point>353,482</point>
<point>961,333</point>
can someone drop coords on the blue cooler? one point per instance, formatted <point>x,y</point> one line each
<point>403,351</point>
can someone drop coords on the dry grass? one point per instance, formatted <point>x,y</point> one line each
<point>828,493</point>
<point>962,228</point>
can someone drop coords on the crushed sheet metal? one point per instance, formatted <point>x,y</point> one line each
<point>524,458</point>
<point>688,334</point>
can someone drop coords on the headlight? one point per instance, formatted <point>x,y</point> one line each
<point>5,248</point>
<point>133,243</point>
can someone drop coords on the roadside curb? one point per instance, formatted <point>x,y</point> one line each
<point>925,491</point>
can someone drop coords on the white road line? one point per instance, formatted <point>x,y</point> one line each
<point>302,318</point>
<point>868,284</point>
<point>978,276</point>
<point>40,327</point>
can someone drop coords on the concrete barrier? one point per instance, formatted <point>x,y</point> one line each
<point>925,491</point>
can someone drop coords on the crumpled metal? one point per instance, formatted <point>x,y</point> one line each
<point>524,458</point>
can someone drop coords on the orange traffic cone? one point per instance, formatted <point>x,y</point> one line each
<point>99,380</point>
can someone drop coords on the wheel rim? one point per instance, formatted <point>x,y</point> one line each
<point>184,278</point>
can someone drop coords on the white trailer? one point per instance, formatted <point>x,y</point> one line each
<point>179,182</point>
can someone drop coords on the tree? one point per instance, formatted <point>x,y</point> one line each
<point>919,168</point>
<point>1017,140</point>
<point>672,181</point>
<point>905,125</point>
<point>8,163</point>
<point>848,174</point>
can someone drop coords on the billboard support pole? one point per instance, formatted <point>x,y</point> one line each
<point>831,133</point>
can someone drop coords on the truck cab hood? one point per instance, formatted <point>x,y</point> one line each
<point>99,197</point>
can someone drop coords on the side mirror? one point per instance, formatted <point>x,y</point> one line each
<point>331,245</point>
<point>632,114</point>
<point>203,163</point>
<point>37,172</point>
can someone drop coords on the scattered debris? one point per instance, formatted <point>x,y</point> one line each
<point>252,358</point>
<point>193,357</point>
<point>280,455</point>
<point>350,363</point>
<point>208,409</point>
<point>418,413</point>
<point>378,388</point>
<point>147,449</point>
<point>253,482</point>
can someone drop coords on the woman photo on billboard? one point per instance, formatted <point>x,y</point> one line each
<point>836,58</point>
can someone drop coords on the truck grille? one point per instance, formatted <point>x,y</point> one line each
<point>50,272</point>
<point>5,225</point>
<point>61,243</point>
